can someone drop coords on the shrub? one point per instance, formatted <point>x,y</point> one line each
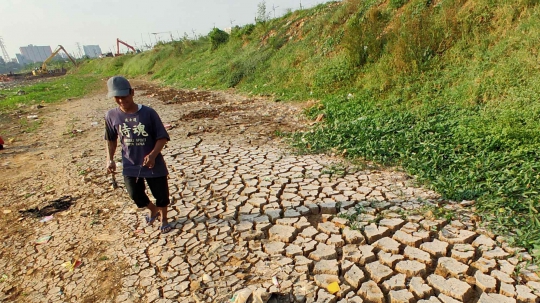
<point>217,38</point>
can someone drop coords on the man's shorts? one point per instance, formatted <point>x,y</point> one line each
<point>158,186</point>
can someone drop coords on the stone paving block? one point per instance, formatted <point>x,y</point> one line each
<point>486,283</point>
<point>506,267</point>
<point>492,298</point>
<point>460,236</point>
<point>328,208</point>
<point>328,228</point>
<point>464,253</point>
<point>449,267</point>
<point>291,213</point>
<point>497,253</point>
<point>414,253</point>
<point>362,254</point>
<point>446,299</point>
<point>524,294</point>
<point>389,259</point>
<point>303,261</point>
<point>507,290</point>
<point>411,268</point>
<point>401,296</point>
<point>436,248</point>
<point>392,224</point>
<point>432,299</point>
<point>323,252</point>
<point>323,280</point>
<point>388,245</point>
<point>335,240</point>
<point>309,232</point>
<point>293,250</point>
<point>396,282</point>
<point>484,265</point>
<point>407,239</point>
<point>352,236</point>
<point>374,232</point>
<point>325,296</point>
<point>354,276</point>
<point>501,276</point>
<point>282,233</point>
<point>287,221</point>
<point>329,267</point>
<point>485,241</point>
<point>378,272</point>
<point>452,287</point>
<point>321,237</point>
<point>431,224</point>
<point>419,288</point>
<point>410,227</point>
<point>371,293</point>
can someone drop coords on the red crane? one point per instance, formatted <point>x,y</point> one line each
<point>118,42</point>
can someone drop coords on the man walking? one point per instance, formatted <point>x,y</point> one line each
<point>142,136</point>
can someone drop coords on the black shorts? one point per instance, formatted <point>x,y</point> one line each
<point>158,186</point>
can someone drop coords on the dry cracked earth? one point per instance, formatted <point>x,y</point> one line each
<point>253,221</point>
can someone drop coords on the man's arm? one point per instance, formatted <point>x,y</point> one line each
<point>111,149</point>
<point>150,160</point>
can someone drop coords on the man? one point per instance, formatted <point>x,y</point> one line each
<point>142,136</point>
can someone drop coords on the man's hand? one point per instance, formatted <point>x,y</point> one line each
<point>149,161</point>
<point>111,167</point>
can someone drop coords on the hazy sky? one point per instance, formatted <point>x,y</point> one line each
<point>91,22</point>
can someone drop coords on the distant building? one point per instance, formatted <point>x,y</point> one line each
<point>22,59</point>
<point>92,51</point>
<point>36,53</point>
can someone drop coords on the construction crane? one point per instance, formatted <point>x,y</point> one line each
<point>4,52</point>
<point>118,42</point>
<point>43,69</point>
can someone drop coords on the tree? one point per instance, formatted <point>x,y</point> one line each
<point>262,14</point>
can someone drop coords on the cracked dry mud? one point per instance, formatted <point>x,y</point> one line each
<point>247,213</point>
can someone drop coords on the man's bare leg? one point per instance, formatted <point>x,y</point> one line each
<point>165,227</point>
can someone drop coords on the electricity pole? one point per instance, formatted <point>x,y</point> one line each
<point>274,9</point>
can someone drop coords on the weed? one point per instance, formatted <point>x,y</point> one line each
<point>103,258</point>
<point>445,91</point>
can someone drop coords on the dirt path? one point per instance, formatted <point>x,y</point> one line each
<point>244,209</point>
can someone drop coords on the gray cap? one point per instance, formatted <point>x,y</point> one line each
<point>118,86</point>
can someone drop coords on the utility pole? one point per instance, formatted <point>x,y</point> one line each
<point>300,4</point>
<point>274,8</point>
<point>4,51</point>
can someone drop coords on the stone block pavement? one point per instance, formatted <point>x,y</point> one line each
<point>260,222</point>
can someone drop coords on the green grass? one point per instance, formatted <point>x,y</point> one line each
<point>448,90</point>
<point>50,90</point>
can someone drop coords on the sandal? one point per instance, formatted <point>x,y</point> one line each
<point>150,220</point>
<point>166,228</point>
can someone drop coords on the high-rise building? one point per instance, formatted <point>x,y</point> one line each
<point>92,51</point>
<point>22,59</point>
<point>36,53</point>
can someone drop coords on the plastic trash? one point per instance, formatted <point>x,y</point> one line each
<point>46,219</point>
<point>43,240</point>
<point>275,281</point>
<point>333,287</point>
<point>71,265</point>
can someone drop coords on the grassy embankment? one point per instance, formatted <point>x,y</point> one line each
<point>448,90</point>
<point>48,90</point>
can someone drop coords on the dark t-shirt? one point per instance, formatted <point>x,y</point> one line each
<point>138,134</point>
